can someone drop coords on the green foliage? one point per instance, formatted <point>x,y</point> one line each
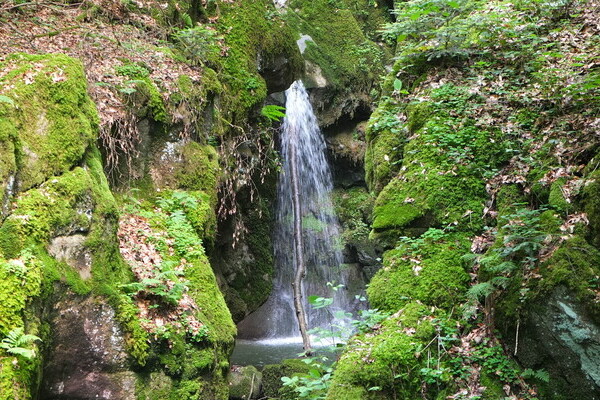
<point>165,283</point>
<point>273,112</point>
<point>538,374</point>
<point>313,385</point>
<point>19,344</point>
<point>132,70</point>
<point>522,238</point>
<point>431,26</point>
<point>199,45</point>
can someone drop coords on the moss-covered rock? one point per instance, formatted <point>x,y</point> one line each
<point>433,274</point>
<point>254,35</point>
<point>390,360</point>
<point>50,122</point>
<point>244,383</point>
<point>273,373</point>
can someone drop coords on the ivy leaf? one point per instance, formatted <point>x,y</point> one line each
<point>6,99</point>
<point>397,85</point>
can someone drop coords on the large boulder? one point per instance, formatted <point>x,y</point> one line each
<point>87,357</point>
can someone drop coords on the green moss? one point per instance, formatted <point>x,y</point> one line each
<point>591,205</point>
<point>198,170</point>
<point>154,386</point>
<point>273,373</point>
<point>214,312</point>
<point>556,199</point>
<point>56,121</point>
<point>20,284</point>
<point>136,337</point>
<point>20,281</point>
<point>441,176</point>
<point>353,208</point>
<point>143,98</point>
<point>433,274</point>
<point>50,209</point>
<point>180,221</point>
<point>339,46</point>
<point>384,152</point>
<point>576,264</point>
<point>417,115</point>
<point>389,360</point>
<point>244,383</point>
<point>254,31</point>
<point>253,284</point>
<point>493,387</point>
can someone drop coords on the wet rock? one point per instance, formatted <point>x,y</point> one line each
<point>278,73</point>
<point>87,358</point>
<point>560,336</point>
<point>244,382</point>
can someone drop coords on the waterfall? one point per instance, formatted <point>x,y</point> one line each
<point>320,230</point>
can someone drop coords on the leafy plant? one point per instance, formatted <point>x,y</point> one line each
<point>314,385</point>
<point>19,344</point>
<point>198,44</point>
<point>273,112</point>
<point>6,99</point>
<point>132,70</point>
<point>165,284</point>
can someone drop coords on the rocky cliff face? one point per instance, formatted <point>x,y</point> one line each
<point>481,153</point>
<point>69,276</point>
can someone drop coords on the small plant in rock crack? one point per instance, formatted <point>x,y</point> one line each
<point>19,344</point>
<point>165,283</point>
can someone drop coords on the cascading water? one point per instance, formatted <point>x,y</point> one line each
<point>320,230</point>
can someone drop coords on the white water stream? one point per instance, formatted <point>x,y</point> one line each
<point>275,321</point>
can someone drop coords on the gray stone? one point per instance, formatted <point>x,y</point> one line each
<point>559,335</point>
<point>87,358</point>
<point>72,250</point>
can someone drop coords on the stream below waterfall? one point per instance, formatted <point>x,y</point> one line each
<point>273,328</point>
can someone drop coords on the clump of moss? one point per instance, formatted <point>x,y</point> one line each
<point>386,137</point>
<point>20,284</point>
<point>339,46</point>
<point>254,31</point>
<point>353,207</point>
<point>55,121</point>
<point>198,170</point>
<point>429,271</point>
<point>394,354</point>
<point>273,373</point>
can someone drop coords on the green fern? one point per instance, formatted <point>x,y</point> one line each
<point>538,374</point>
<point>187,20</point>
<point>17,343</point>
<point>273,112</point>
<point>480,290</point>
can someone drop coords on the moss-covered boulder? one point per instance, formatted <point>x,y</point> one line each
<point>273,373</point>
<point>244,383</point>
<point>47,119</point>
<point>343,61</point>
<point>392,360</point>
